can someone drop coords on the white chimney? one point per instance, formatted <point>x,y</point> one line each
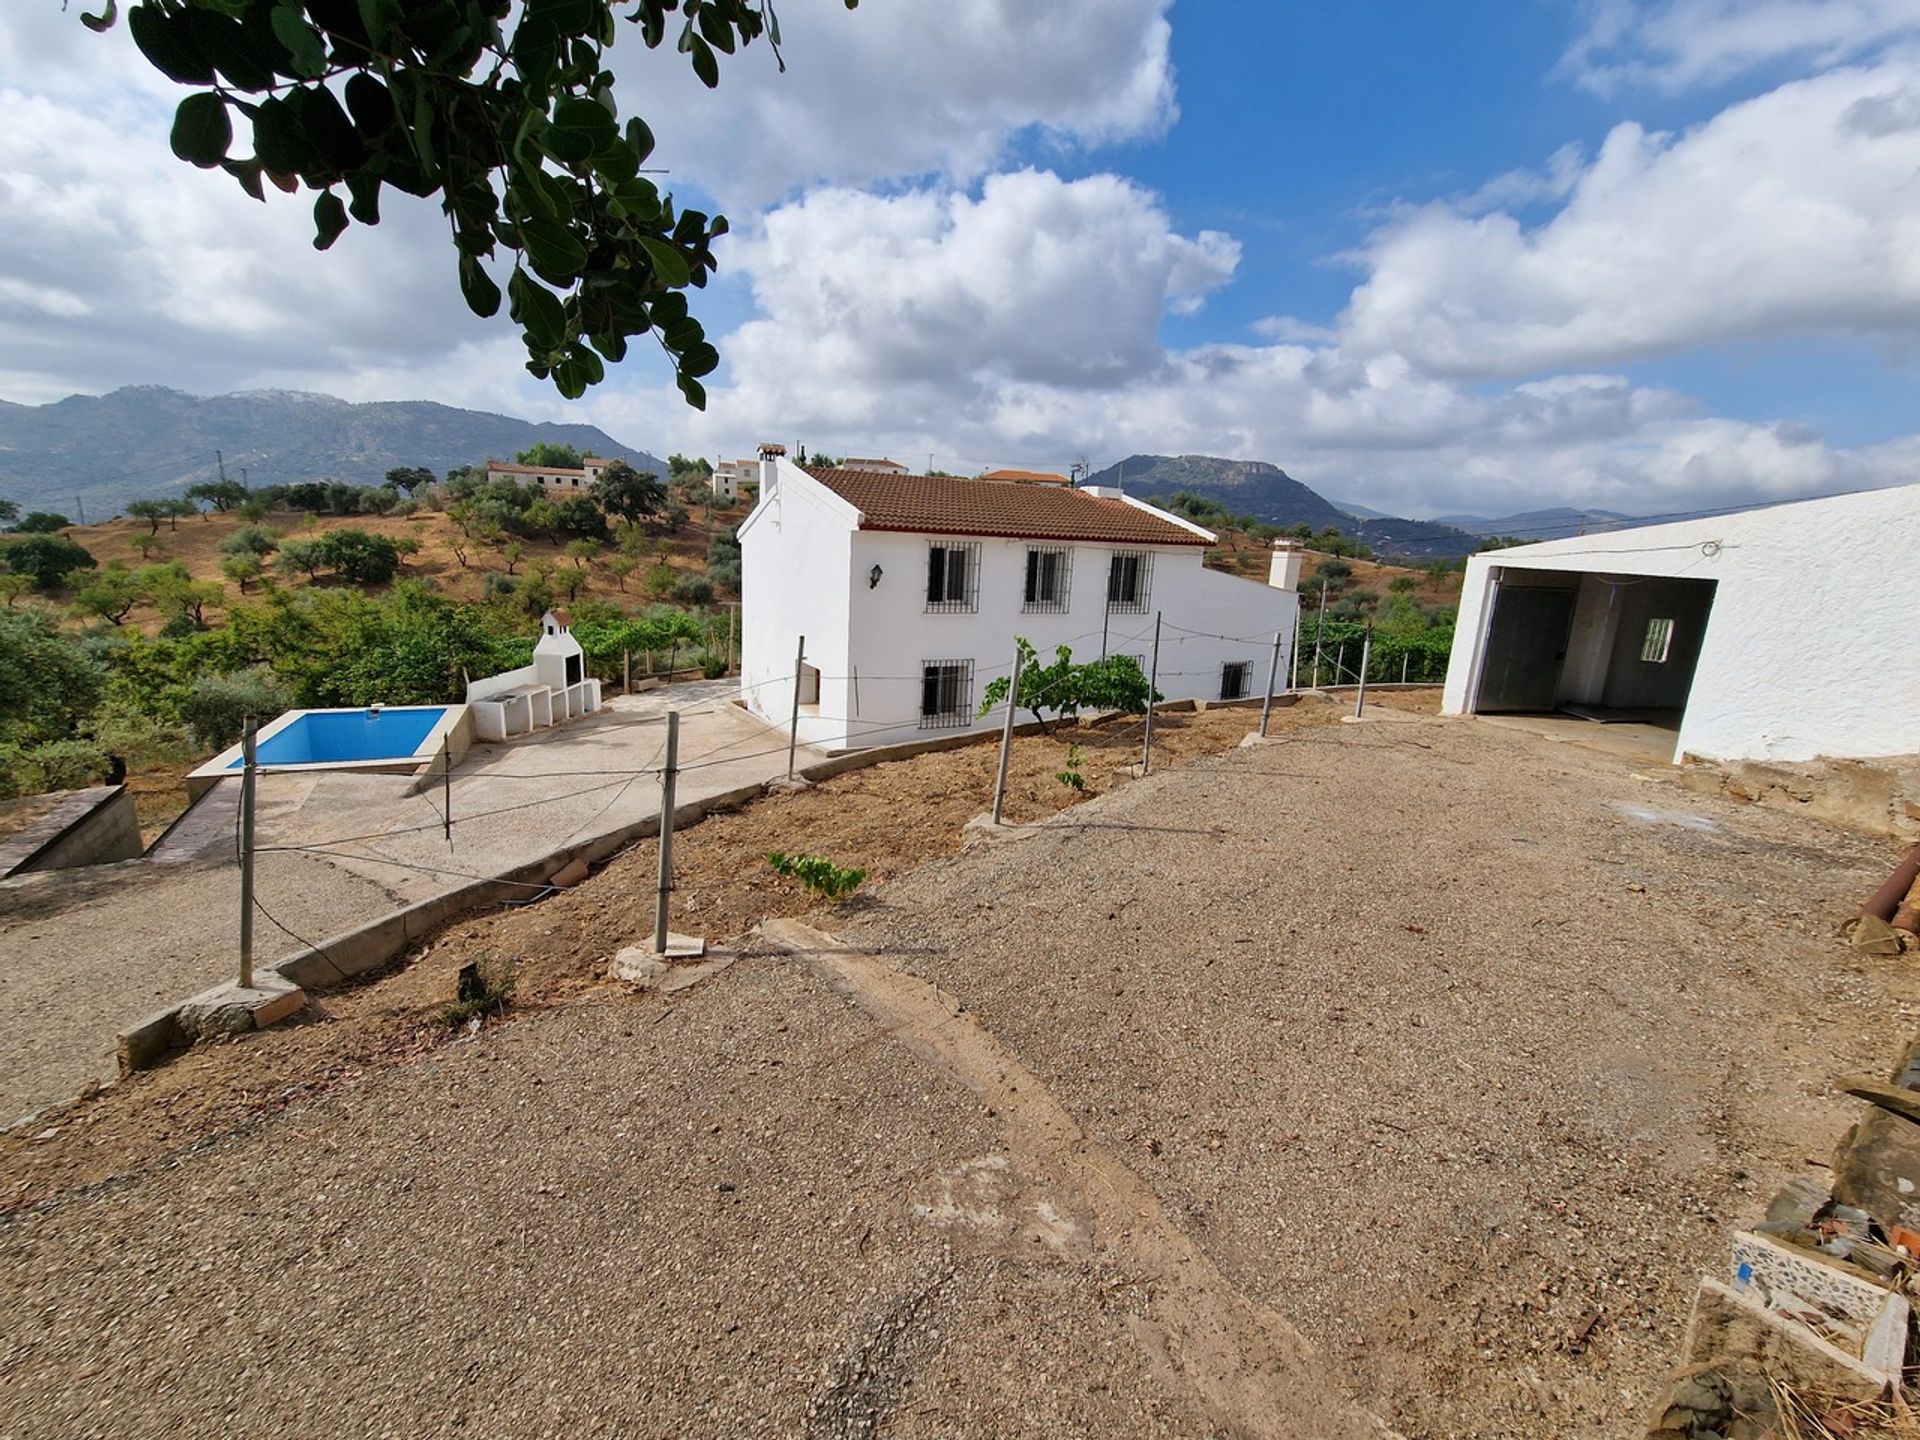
<point>770,467</point>
<point>1283,572</point>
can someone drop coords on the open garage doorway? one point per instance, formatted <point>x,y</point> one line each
<point>1616,649</point>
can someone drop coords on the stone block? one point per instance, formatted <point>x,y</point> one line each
<point>1729,1326</point>
<point>234,1009</point>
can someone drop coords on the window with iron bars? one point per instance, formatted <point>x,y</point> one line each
<point>1236,677</point>
<point>1129,578</point>
<point>953,577</point>
<point>1049,578</point>
<point>946,694</point>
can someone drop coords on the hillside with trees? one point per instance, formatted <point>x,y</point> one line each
<point>1273,497</point>
<point>144,641</point>
<point>149,442</point>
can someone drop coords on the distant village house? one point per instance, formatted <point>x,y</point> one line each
<point>554,479</point>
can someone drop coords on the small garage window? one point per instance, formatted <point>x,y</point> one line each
<point>1235,678</point>
<point>809,684</point>
<point>1659,641</point>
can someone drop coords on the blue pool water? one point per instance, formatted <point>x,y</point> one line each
<point>320,737</point>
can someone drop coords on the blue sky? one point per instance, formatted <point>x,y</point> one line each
<point>1427,257</point>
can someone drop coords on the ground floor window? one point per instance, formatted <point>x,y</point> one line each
<point>1658,643</point>
<point>809,684</point>
<point>1236,678</point>
<point>946,694</point>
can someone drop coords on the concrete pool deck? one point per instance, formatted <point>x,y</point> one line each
<point>89,953</point>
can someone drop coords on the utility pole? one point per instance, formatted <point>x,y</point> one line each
<point>246,855</point>
<point>1273,675</point>
<point>221,461</point>
<point>1153,681</point>
<point>667,777</point>
<point>80,506</point>
<point>793,726</point>
<point>1006,738</point>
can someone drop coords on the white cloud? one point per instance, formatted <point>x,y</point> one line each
<point>1678,44</point>
<point>1791,214</point>
<point>898,91</point>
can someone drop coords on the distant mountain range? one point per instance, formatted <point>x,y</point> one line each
<point>1266,492</point>
<point>1553,524</point>
<point>97,452</point>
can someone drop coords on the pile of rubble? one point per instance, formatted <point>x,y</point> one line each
<point>1807,1332</point>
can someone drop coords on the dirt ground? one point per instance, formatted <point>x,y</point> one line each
<point>885,820</point>
<point>1434,1060</point>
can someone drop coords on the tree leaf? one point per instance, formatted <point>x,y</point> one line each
<point>704,64</point>
<point>538,311</point>
<point>329,220</point>
<point>700,359</point>
<point>692,391</point>
<point>167,40</point>
<point>291,29</point>
<point>580,129</point>
<point>365,204</point>
<point>104,20</point>
<point>554,250</point>
<point>668,263</point>
<point>202,130</point>
<point>477,287</point>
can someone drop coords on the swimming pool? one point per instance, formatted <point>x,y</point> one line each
<point>332,737</point>
<point>396,739</point>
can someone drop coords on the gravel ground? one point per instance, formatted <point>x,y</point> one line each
<point>1443,1040</point>
<point>84,953</point>
<point>1457,1050</point>
<point>617,1219</point>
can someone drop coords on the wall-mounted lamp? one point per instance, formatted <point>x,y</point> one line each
<point>873,576</point>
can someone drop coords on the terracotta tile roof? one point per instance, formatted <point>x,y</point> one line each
<point>533,469</point>
<point>1040,477</point>
<point>1007,509</point>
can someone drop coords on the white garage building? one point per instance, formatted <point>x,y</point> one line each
<point>1783,633</point>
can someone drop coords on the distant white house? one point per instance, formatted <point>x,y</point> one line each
<point>730,477</point>
<point>553,479</point>
<point>1781,633</point>
<point>875,467</point>
<point>911,589</point>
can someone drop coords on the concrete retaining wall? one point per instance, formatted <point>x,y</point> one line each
<point>94,826</point>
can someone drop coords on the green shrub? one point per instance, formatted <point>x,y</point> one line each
<point>693,590</point>
<point>1072,777</point>
<point>46,559</point>
<point>56,765</point>
<point>255,540</point>
<point>821,877</point>
<point>217,707</point>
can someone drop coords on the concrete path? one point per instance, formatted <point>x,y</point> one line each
<point>84,953</point>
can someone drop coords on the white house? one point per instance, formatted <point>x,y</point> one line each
<point>909,591</point>
<point>555,688</point>
<point>555,480</point>
<point>1782,633</point>
<point>731,476</point>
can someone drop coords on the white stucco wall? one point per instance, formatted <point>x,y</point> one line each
<point>796,551</point>
<point>806,570</point>
<point>1809,649</point>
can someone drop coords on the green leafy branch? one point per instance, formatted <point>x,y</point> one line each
<point>515,130</point>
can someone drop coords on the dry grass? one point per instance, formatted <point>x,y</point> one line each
<point>1807,1415</point>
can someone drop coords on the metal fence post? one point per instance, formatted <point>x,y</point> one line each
<point>667,775</point>
<point>793,726</point>
<point>1293,656</point>
<point>626,672</point>
<point>1153,681</point>
<point>1006,738</point>
<point>1273,674</point>
<point>1340,663</point>
<point>1319,629</point>
<point>1403,666</point>
<point>1366,654</point>
<point>446,787</point>
<point>247,773</point>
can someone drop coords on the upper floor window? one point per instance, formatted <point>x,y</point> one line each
<point>1049,569</point>
<point>1129,576</point>
<point>953,576</point>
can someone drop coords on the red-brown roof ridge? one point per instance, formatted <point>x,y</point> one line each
<point>1001,509</point>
